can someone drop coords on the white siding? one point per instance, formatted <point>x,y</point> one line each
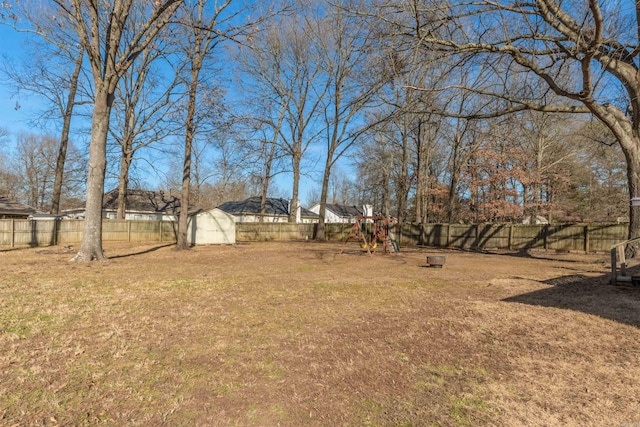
<point>330,217</point>
<point>212,227</point>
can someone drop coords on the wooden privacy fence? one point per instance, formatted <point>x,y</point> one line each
<point>564,237</point>
<point>561,237</point>
<point>22,232</point>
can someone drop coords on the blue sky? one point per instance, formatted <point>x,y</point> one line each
<point>10,117</point>
<point>16,120</point>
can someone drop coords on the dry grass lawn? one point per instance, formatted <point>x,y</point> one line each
<point>294,334</point>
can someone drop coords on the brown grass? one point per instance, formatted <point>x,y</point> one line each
<point>294,334</point>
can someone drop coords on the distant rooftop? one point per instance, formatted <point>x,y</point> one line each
<point>11,208</point>
<point>344,210</point>
<point>143,201</point>
<point>279,207</point>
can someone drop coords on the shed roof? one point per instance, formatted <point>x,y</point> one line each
<point>10,207</point>
<point>278,207</point>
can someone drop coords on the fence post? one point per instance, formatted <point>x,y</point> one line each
<point>477,237</point>
<point>160,229</point>
<point>586,239</point>
<point>13,233</point>
<point>614,266</point>
<point>448,235</point>
<point>623,260</point>
<point>510,240</point>
<point>545,236</point>
<point>128,231</point>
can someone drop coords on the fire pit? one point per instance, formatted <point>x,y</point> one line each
<point>436,261</point>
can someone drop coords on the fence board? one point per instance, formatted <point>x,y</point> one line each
<point>70,231</point>
<point>409,234</point>
<point>601,236</point>
<point>565,237</point>
<point>528,237</point>
<point>264,231</point>
<point>493,236</point>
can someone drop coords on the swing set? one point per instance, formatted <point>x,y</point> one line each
<point>371,230</point>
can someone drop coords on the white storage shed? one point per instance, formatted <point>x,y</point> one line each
<point>211,227</point>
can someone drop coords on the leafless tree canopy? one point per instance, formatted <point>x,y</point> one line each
<point>431,111</point>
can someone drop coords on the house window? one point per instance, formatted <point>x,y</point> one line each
<point>137,217</point>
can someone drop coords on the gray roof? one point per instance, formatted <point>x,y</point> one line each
<point>11,208</point>
<point>143,201</point>
<point>277,207</point>
<point>344,210</point>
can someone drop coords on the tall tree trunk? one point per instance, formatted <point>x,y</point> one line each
<point>267,180</point>
<point>296,186</point>
<point>320,234</point>
<point>633,179</point>
<point>64,137</point>
<point>386,211</point>
<point>91,246</point>
<point>452,200</point>
<point>123,181</point>
<point>403,190</point>
<point>183,218</point>
<point>265,183</point>
<point>420,185</point>
<point>263,199</point>
<point>422,173</point>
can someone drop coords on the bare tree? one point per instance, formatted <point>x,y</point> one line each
<point>584,52</point>
<point>35,155</point>
<point>350,87</point>
<point>34,166</point>
<point>9,180</point>
<point>222,160</point>
<point>145,98</point>
<point>284,64</point>
<point>267,156</point>
<point>342,188</point>
<point>100,27</point>
<point>539,141</point>
<point>51,69</point>
<point>375,161</point>
<point>266,113</point>
<point>206,23</point>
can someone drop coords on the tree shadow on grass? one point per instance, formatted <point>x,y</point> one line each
<point>10,249</point>
<point>541,254</point>
<point>146,251</point>
<point>591,295</point>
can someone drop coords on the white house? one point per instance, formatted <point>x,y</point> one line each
<point>538,220</point>
<point>342,213</point>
